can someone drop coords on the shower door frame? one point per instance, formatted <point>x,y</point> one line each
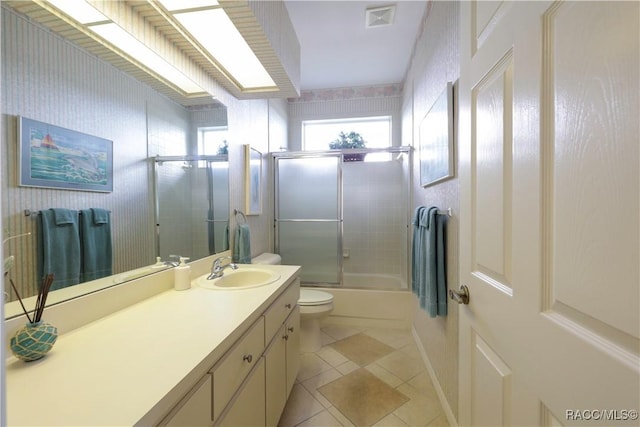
<point>158,160</point>
<point>276,221</point>
<point>407,150</point>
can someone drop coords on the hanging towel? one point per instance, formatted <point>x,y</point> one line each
<point>428,261</point>
<point>95,233</point>
<point>417,266</point>
<point>242,245</point>
<point>59,247</point>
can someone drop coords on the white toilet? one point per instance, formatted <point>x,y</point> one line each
<point>314,306</point>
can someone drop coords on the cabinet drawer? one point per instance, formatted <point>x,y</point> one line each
<point>194,409</point>
<point>280,309</point>
<point>229,373</point>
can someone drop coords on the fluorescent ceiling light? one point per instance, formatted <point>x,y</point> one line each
<point>79,10</point>
<point>172,5</point>
<point>216,33</point>
<point>141,53</point>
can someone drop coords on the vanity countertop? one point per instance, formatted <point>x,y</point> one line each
<point>134,365</point>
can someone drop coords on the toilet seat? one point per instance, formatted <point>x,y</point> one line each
<point>309,297</point>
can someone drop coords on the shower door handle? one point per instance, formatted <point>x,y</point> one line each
<point>461,296</point>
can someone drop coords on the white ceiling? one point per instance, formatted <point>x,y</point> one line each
<point>337,50</point>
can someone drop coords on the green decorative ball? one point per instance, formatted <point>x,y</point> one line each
<point>33,341</point>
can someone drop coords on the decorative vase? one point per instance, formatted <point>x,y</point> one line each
<point>33,341</point>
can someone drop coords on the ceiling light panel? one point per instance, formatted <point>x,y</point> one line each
<point>172,5</point>
<point>136,50</point>
<point>79,10</point>
<point>215,32</point>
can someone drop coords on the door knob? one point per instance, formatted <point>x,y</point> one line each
<point>461,296</point>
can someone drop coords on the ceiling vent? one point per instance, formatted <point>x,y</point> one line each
<point>380,16</point>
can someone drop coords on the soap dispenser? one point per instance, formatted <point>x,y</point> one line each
<point>159,263</point>
<point>182,272</point>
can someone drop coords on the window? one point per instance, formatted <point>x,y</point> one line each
<point>376,131</point>
<point>212,140</point>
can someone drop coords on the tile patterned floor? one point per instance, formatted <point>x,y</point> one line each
<point>398,370</point>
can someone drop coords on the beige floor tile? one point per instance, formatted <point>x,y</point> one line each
<point>396,338</point>
<point>347,367</point>
<point>402,365</point>
<point>384,375</point>
<point>340,417</point>
<point>340,331</point>
<point>410,349</point>
<point>326,339</point>
<point>390,421</point>
<point>420,410</point>
<point>362,397</point>
<point>312,385</point>
<point>362,348</point>
<point>322,419</point>
<point>331,356</point>
<point>440,421</point>
<point>311,365</point>
<point>300,407</point>
<point>422,382</point>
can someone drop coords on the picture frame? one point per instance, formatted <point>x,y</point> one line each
<point>253,180</point>
<point>50,156</point>
<point>436,140</point>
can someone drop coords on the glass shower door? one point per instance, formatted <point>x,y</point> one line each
<point>309,216</point>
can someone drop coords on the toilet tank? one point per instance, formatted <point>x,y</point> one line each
<point>267,258</point>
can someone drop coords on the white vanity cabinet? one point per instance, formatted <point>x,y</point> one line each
<point>195,408</point>
<point>249,385</point>
<point>282,360</point>
<point>198,357</point>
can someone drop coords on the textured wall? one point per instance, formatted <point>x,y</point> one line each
<point>434,63</point>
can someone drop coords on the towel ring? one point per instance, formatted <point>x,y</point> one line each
<point>239,212</point>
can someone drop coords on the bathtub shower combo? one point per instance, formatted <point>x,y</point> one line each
<point>345,222</point>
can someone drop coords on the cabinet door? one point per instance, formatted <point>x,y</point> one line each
<point>195,408</point>
<point>236,364</point>
<point>292,332</point>
<point>248,410</point>
<point>276,367</point>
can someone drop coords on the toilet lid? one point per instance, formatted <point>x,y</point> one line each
<point>311,297</point>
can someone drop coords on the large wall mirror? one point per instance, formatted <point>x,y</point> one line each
<point>189,218</point>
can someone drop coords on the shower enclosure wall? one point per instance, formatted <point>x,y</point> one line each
<point>345,222</point>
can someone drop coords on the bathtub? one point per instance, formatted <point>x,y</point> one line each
<point>373,281</point>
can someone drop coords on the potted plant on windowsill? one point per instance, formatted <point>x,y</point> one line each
<point>349,140</point>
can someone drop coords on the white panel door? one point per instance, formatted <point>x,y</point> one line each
<point>550,213</point>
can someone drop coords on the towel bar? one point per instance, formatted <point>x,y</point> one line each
<point>448,212</point>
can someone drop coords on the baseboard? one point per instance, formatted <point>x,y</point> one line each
<point>436,384</point>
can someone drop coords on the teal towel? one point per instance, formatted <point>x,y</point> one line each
<point>242,245</point>
<point>59,247</point>
<point>97,255</point>
<point>64,216</point>
<point>417,266</point>
<point>428,260</point>
<point>100,216</point>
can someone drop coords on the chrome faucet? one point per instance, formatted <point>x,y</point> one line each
<point>217,269</point>
<point>173,263</point>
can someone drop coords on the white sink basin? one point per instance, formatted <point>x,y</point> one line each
<point>242,278</point>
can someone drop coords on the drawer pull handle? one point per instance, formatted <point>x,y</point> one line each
<point>247,357</point>
<point>288,306</point>
<point>285,337</point>
<point>290,329</point>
